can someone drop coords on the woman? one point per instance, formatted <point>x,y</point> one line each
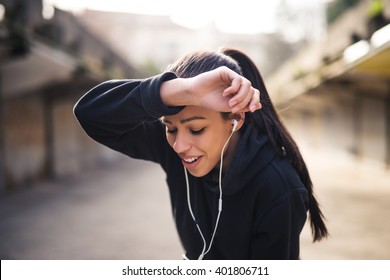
<point>238,185</point>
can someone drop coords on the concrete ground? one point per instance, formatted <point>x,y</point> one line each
<point>122,211</point>
<point>355,198</point>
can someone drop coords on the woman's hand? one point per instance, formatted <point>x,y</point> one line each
<point>220,90</point>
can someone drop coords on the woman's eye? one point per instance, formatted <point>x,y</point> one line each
<point>197,132</point>
<point>171,131</point>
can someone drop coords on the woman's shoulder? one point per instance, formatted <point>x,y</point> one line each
<point>278,179</point>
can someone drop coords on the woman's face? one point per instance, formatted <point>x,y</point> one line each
<point>197,135</point>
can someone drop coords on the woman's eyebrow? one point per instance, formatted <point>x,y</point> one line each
<point>192,119</point>
<point>165,120</point>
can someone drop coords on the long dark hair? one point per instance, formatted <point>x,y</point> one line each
<point>265,120</point>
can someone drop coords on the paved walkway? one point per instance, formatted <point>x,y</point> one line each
<point>355,198</point>
<point>123,212</point>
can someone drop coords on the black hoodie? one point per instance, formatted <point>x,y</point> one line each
<point>264,201</point>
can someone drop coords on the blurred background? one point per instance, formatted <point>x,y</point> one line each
<point>62,196</point>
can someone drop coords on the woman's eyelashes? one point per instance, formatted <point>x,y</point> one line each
<point>197,132</point>
<point>192,131</point>
<point>171,131</point>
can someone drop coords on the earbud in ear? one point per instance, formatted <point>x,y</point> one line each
<point>234,123</point>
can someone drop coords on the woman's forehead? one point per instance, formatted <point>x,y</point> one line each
<point>190,113</point>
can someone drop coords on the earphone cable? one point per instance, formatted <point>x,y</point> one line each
<point>219,204</point>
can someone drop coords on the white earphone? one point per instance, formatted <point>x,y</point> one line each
<point>204,251</point>
<point>235,123</point>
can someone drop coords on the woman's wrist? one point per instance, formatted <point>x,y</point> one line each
<point>176,92</point>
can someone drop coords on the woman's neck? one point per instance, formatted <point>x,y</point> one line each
<point>230,150</point>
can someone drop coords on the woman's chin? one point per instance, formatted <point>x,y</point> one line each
<point>197,173</point>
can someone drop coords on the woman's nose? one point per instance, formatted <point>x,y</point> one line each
<point>181,143</point>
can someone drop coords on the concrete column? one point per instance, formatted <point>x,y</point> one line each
<point>2,135</point>
<point>49,138</point>
<point>387,123</point>
<point>357,126</point>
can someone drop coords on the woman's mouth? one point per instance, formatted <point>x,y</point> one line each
<point>190,162</point>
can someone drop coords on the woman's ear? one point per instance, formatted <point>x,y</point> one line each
<point>240,118</point>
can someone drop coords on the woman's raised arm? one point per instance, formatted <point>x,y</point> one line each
<point>220,90</point>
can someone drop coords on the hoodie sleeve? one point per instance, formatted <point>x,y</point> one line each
<point>123,115</point>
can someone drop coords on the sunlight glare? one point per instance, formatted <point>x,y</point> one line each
<point>2,12</point>
<point>247,16</point>
<point>234,16</point>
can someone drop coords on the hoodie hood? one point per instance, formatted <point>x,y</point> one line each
<point>253,152</point>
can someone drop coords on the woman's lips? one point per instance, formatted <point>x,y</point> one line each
<point>190,162</point>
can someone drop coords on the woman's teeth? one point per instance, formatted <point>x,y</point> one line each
<point>189,160</point>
